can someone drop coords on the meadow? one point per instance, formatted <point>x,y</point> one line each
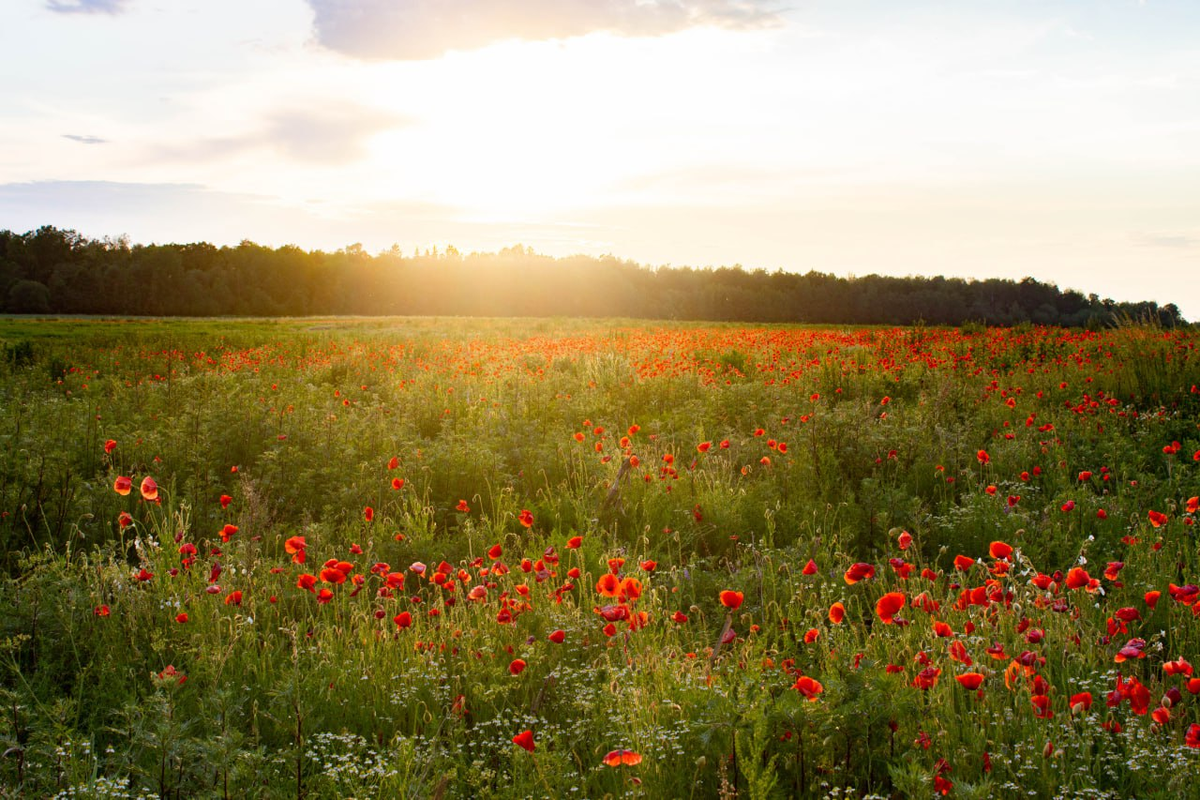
<point>433,558</point>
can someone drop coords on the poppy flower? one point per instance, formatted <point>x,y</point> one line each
<point>1080,703</point>
<point>101,611</point>
<point>811,635</point>
<point>234,598</point>
<point>574,543</point>
<point>1077,578</point>
<point>982,457</point>
<point>810,568</point>
<point>969,680</point>
<point>609,585</point>
<point>227,532</point>
<point>1000,550</point>
<point>731,599</point>
<point>704,447</point>
<point>517,666</point>
<point>333,575</point>
<point>525,518</point>
<point>1177,667</point>
<point>809,687</point>
<point>525,740</point>
<point>904,540</point>
<point>124,519</point>
<point>122,485</point>
<point>1161,715</point>
<point>144,575</point>
<point>622,758</point>
<point>648,565</point>
<point>397,483</point>
<point>889,605</point>
<point>837,613</point>
<point>679,617</point>
<point>110,445</point>
<point>927,678</point>
<point>149,489</point>
<point>402,620</point>
<point>1157,518</point>
<point>858,572</point>
<point>1192,737</point>
<point>557,636</point>
<point>393,463</point>
<point>307,582</point>
<point>368,513</point>
<point>963,563</point>
<point>324,596</point>
<point>225,501</point>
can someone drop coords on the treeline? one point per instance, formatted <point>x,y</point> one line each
<point>52,271</point>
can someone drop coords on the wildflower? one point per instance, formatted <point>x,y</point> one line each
<point>622,758</point>
<point>149,489</point>
<point>525,740</point>
<point>122,485</point>
<point>731,599</point>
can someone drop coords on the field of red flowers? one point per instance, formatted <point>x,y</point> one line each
<point>472,558</point>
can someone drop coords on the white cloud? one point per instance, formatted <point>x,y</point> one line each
<point>87,6</point>
<point>424,29</point>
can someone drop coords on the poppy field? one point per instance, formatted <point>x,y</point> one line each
<point>431,558</point>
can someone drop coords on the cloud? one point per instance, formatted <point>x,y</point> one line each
<point>424,29</point>
<point>84,139</point>
<point>334,134</point>
<point>1174,240</point>
<point>87,6</point>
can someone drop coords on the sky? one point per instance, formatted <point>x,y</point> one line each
<point>1057,139</point>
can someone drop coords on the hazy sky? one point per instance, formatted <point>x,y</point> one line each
<point>1053,138</point>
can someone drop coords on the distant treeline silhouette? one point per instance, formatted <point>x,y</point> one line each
<point>53,271</point>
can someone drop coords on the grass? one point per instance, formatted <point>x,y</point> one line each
<point>728,457</point>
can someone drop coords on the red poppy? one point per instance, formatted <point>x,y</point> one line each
<point>517,666</point>
<point>889,605</point>
<point>1000,550</point>
<point>1192,737</point>
<point>982,457</point>
<point>1177,667</point>
<point>227,532</point>
<point>122,485</point>
<point>837,613</point>
<point>905,540</point>
<point>927,678</point>
<point>679,617</point>
<point>731,599</point>
<point>858,572</point>
<point>574,543</point>
<point>609,585</point>
<point>969,680</point>
<point>811,635</point>
<point>393,463</point>
<point>810,568</point>
<point>402,620</point>
<point>525,518</point>
<point>149,489</point>
<point>324,596</point>
<point>1077,578</point>
<point>525,740</point>
<point>622,758</point>
<point>942,630</point>
<point>1157,518</point>
<point>963,563</point>
<point>704,447</point>
<point>333,575</point>
<point>557,636</point>
<point>143,575</point>
<point>234,598</point>
<point>648,565</point>
<point>101,611</point>
<point>1081,701</point>
<point>808,687</point>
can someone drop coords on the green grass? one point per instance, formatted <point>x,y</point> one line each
<point>288,696</point>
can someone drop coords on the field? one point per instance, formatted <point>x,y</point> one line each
<point>553,558</point>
